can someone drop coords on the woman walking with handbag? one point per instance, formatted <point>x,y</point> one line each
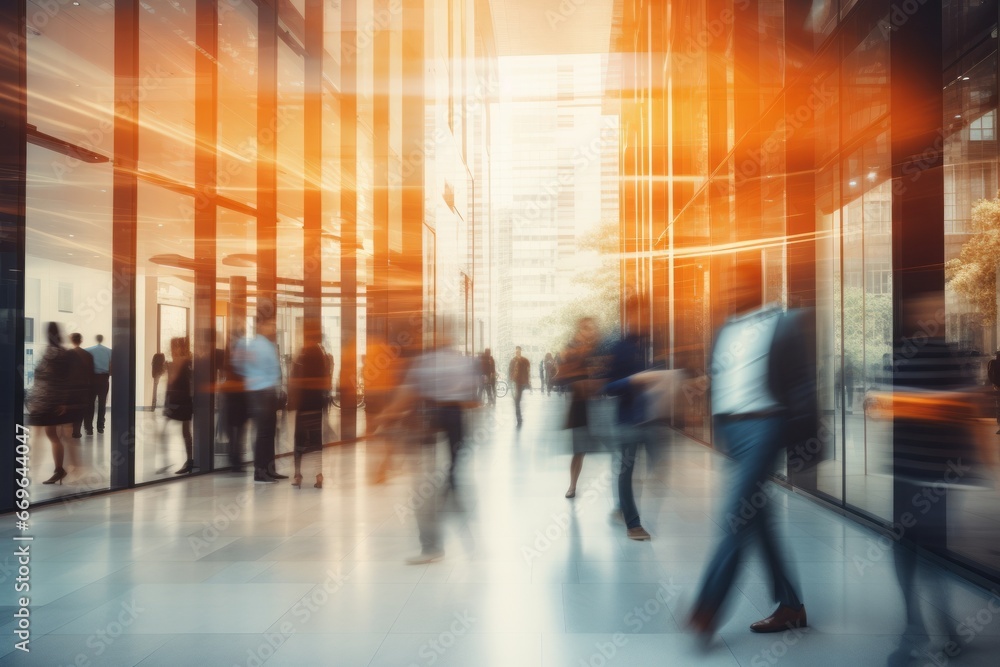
<point>308,388</point>
<point>576,373</point>
<point>49,403</point>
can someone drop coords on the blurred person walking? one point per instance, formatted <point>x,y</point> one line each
<point>81,381</point>
<point>933,452</point>
<point>993,373</point>
<point>102,384</point>
<point>519,374</point>
<point>438,388</point>
<point>258,364</point>
<point>50,399</point>
<point>763,399</point>
<point>629,357</point>
<point>576,371</point>
<point>381,374</point>
<point>234,402</point>
<point>178,403</point>
<point>309,386</point>
<point>488,373</point>
<point>550,373</point>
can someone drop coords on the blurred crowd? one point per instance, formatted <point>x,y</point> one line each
<point>760,375</point>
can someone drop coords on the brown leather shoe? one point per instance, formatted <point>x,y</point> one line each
<point>700,622</point>
<point>638,534</point>
<point>783,618</point>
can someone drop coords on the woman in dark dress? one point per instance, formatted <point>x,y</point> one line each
<point>50,400</point>
<point>178,403</point>
<point>576,372</point>
<point>309,386</point>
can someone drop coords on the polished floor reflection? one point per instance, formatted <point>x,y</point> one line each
<point>215,570</point>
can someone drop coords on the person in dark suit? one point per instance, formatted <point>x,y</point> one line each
<point>763,400</point>
<point>933,451</point>
<point>81,381</point>
<point>519,373</point>
<point>489,377</point>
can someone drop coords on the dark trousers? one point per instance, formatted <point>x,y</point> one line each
<point>80,411</point>
<point>102,384</point>
<point>518,390</point>
<point>448,418</point>
<point>631,438</point>
<point>754,445</point>
<point>928,531</point>
<point>235,417</point>
<point>445,417</point>
<point>263,406</point>
<point>488,392</point>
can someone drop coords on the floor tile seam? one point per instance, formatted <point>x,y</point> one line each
<point>729,648</point>
<point>764,613</point>
<point>97,581</point>
<point>117,598</point>
<point>165,640</point>
<point>377,649</point>
<point>409,596</point>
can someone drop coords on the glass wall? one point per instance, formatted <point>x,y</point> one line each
<point>68,239</point>
<point>832,180</point>
<point>971,193</point>
<point>166,241</point>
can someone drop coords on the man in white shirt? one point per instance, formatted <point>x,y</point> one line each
<point>763,399</point>
<point>439,386</point>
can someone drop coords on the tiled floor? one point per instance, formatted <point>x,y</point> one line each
<point>214,570</point>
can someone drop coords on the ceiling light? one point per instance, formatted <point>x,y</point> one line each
<point>853,183</point>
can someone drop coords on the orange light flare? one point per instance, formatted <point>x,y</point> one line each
<point>730,248</point>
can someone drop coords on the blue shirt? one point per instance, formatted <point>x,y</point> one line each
<point>256,359</point>
<point>102,359</point>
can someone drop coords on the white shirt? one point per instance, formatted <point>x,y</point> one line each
<point>739,369</point>
<point>445,376</point>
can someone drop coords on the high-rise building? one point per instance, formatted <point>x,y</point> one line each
<point>556,155</point>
